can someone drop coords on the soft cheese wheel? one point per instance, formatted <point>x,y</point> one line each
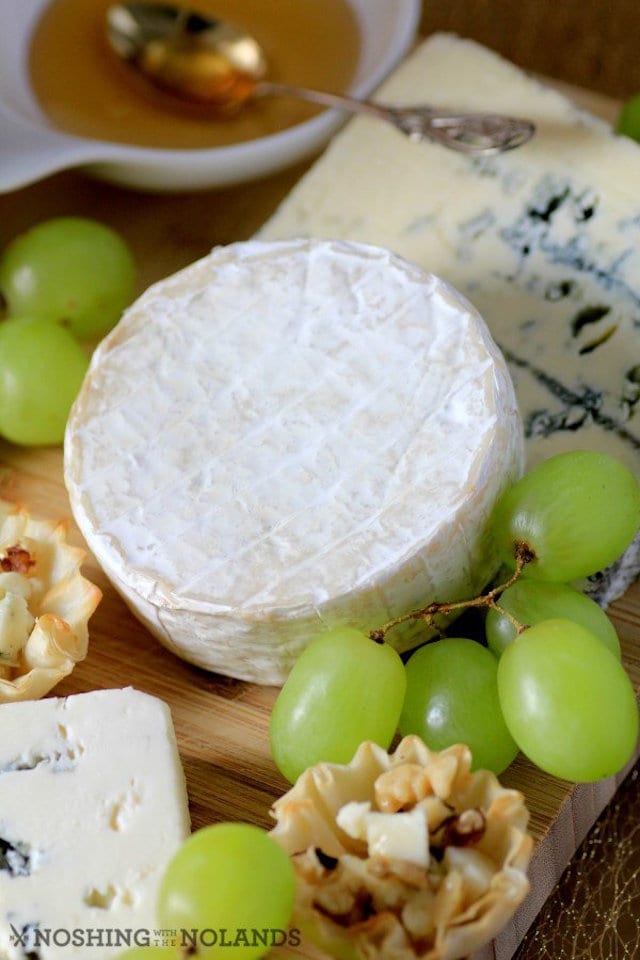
<point>286,436</point>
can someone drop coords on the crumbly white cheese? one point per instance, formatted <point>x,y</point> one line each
<point>397,836</point>
<point>544,240</point>
<point>92,807</point>
<point>16,620</point>
<point>288,436</point>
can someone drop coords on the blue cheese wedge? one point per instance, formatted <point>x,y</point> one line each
<point>289,436</point>
<point>544,240</point>
<point>93,805</point>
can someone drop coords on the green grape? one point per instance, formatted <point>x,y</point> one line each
<point>41,370</point>
<point>628,121</point>
<point>343,689</point>
<point>69,269</point>
<point>577,512</point>
<point>232,877</point>
<point>568,702</point>
<point>531,601</point>
<point>452,697</point>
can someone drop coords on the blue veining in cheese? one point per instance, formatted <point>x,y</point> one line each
<point>92,807</point>
<point>544,240</point>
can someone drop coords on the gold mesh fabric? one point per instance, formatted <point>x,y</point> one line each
<point>594,911</point>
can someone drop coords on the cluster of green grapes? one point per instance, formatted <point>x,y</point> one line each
<point>65,280</point>
<point>549,681</point>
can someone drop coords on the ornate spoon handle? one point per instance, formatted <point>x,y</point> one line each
<point>479,134</point>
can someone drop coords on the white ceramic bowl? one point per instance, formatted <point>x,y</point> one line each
<point>30,148</point>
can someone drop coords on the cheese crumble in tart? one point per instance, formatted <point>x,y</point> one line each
<point>404,855</point>
<point>45,604</point>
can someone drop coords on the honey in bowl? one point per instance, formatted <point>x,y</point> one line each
<point>84,89</point>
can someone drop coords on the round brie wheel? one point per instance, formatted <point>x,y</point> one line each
<point>288,436</point>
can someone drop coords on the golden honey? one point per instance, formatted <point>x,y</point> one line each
<point>84,89</point>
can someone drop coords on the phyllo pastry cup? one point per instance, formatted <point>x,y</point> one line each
<point>404,855</point>
<point>45,605</point>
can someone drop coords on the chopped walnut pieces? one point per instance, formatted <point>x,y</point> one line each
<point>436,812</point>
<point>464,829</point>
<point>409,873</point>
<point>16,560</point>
<point>417,915</point>
<point>335,898</point>
<point>363,908</point>
<point>371,900</point>
<point>402,787</point>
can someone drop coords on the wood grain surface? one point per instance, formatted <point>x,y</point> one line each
<point>222,724</point>
<point>588,43</point>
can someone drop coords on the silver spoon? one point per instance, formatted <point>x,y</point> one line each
<point>204,60</point>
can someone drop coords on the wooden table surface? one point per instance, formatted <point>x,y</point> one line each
<point>221,723</point>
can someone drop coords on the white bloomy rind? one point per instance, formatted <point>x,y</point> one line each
<point>286,436</point>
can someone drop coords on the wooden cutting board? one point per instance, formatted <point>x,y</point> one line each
<point>222,724</point>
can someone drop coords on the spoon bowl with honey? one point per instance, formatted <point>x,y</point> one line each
<point>66,101</point>
<point>204,60</point>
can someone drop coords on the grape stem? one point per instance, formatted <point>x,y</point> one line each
<point>522,555</point>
